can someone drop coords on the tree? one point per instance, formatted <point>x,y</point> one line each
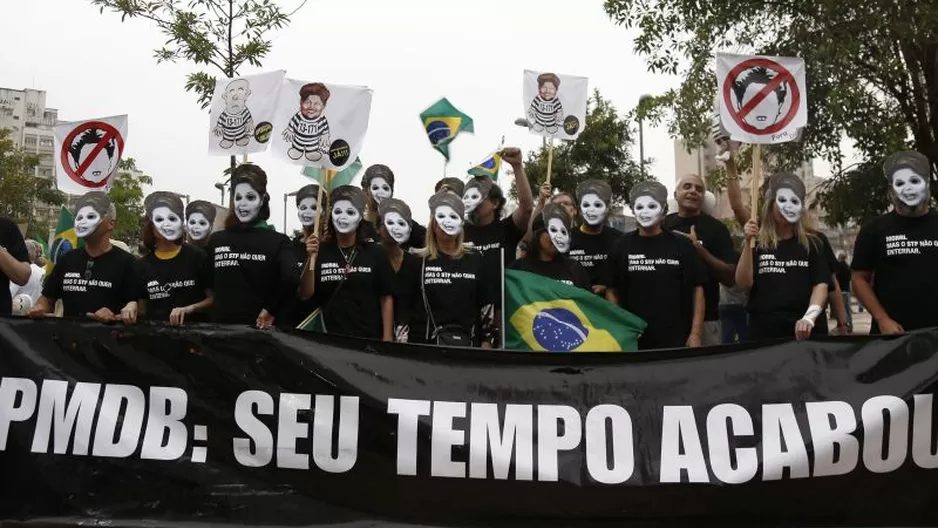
<point>21,190</point>
<point>127,195</point>
<point>600,152</point>
<point>872,77</point>
<point>220,35</point>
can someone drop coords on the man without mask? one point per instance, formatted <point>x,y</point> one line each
<point>448,212</point>
<point>593,197</point>
<point>649,203</point>
<point>249,198</point>
<point>789,192</point>
<point>348,207</point>
<point>165,210</point>
<point>90,211</point>
<point>476,190</point>
<point>200,219</point>
<point>306,206</point>
<point>396,217</point>
<point>909,177</point>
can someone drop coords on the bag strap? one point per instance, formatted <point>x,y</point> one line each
<point>426,301</point>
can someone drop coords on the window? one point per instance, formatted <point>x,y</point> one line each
<point>45,142</point>
<point>30,141</point>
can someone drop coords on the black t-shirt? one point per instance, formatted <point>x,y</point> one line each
<point>563,269</point>
<point>902,254</point>
<point>12,240</point>
<point>843,275</point>
<point>783,279</point>
<point>418,234</point>
<point>592,251</point>
<point>655,278</point>
<point>456,290</point>
<point>173,283</point>
<point>86,284</point>
<point>350,290</point>
<point>253,269</point>
<point>715,238</point>
<point>489,239</point>
<point>296,310</point>
<point>406,288</point>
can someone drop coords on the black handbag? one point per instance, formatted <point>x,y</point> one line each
<point>451,335</point>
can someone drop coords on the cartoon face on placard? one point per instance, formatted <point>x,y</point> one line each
<point>242,112</point>
<point>555,104</point>
<point>320,124</point>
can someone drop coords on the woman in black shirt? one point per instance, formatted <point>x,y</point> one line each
<point>172,274</point>
<point>454,285</point>
<point>307,210</point>
<point>254,273</point>
<point>349,277</point>
<point>786,274</point>
<point>378,185</point>
<point>550,244</point>
<point>395,221</point>
<point>200,220</point>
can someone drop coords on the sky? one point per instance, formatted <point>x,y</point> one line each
<point>410,52</point>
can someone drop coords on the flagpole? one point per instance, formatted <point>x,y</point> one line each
<point>754,185</point>
<point>503,329</point>
<point>550,159</point>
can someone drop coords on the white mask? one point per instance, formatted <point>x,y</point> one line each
<point>910,187</point>
<point>87,221</point>
<point>247,203</point>
<point>345,217</point>
<point>789,205</point>
<point>592,209</point>
<point>471,199</point>
<point>647,211</point>
<point>448,220</point>
<point>559,235</point>
<point>168,223</point>
<point>398,227</point>
<point>198,226</point>
<point>306,211</point>
<point>380,190</point>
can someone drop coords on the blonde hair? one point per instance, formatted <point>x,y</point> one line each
<point>432,251</point>
<point>768,235</point>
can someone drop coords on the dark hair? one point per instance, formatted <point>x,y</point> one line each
<point>91,137</point>
<point>149,236</point>
<point>318,89</point>
<point>548,78</point>
<point>328,233</point>
<point>758,75</point>
<point>497,196</point>
<point>257,179</point>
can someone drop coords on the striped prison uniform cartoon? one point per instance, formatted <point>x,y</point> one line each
<point>234,126</point>
<point>546,113</point>
<point>307,133</point>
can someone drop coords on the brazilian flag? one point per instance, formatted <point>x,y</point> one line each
<point>330,179</point>
<point>313,322</point>
<point>65,238</point>
<point>549,316</point>
<point>489,167</point>
<point>443,122</point>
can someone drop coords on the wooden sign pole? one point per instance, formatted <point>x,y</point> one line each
<point>550,159</point>
<point>755,184</point>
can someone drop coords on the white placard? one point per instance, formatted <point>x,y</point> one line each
<point>87,153</point>
<point>242,113</point>
<point>555,104</point>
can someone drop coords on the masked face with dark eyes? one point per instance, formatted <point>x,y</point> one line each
<point>198,226</point>
<point>306,211</point>
<point>168,223</point>
<point>380,189</point>
<point>345,217</point>
<point>647,211</point>
<point>87,221</point>
<point>398,227</point>
<point>910,187</point>
<point>247,203</point>
<point>789,205</point>
<point>559,235</point>
<point>448,219</point>
<point>593,209</point>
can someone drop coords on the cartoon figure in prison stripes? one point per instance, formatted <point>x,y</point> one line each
<point>546,111</point>
<point>308,131</point>
<point>235,123</point>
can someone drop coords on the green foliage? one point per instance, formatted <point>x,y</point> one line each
<point>871,77</point>
<point>224,34</point>
<point>21,191</point>
<point>127,195</point>
<point>600,152</point>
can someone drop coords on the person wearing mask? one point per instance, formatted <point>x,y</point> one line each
<point>200,221</point>
<point>33,287</point>
<point>484,201</point>
<point>172,274</point>
<point>14,263</point>
<point>349,277</point>
<point>378,184</point>
<point>542,200</point>
<point>786,274</point>
<point>253,268</point>
<point>594,240</point>
<point>895,255</point>
<point>551,243</point>
<point>395,221</point>
<point>657,275</point>
<point>743,214</point>
<point>307,210</point>
<point>842,271</point>
<point>99,280</point>
<point>713,243</point>
<point>453,185</point>
<point>453,282</point>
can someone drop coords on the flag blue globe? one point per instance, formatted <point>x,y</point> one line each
<point>489,163</point>
<point>437,131</point>
<point>60,246</point>
<point>559,330</point>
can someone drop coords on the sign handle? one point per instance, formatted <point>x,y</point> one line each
<point>550,159</point>
<point>754,185</point>
<point>244,158</point>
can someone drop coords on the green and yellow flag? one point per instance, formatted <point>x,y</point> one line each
<point>489,167</point>
<point>549,316</point>
<point>332,179</point>
<point>443,122</point>
<point>313,323</point>
<point>65,238</point>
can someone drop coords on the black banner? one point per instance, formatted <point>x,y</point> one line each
<point>211,424</point>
